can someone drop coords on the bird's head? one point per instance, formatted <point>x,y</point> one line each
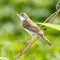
<point>23,16</point>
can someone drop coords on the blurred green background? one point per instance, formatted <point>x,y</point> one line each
<point>13,37</point>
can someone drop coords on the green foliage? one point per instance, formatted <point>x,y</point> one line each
<point>13,37</point>
<point>54,26</point>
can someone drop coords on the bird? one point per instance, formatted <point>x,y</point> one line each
<point>31,27</point>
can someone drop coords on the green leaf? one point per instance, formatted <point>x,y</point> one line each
<point>54,26</point>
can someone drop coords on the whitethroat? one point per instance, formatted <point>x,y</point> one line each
<point>31,27</point>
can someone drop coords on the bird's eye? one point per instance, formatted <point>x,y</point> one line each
<point>22,14</point>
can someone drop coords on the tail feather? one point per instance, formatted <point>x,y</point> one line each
<point>44,38</point>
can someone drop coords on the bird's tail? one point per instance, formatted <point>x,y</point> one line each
<point>44,38</point>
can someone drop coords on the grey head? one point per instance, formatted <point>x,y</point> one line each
<point>23,16</point>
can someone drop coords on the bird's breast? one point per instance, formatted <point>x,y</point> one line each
<point>28,31</point>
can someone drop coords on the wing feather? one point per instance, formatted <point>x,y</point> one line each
<point>30,25</point>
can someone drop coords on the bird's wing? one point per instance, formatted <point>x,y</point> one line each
<point>30,25</point>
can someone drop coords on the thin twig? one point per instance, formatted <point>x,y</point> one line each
<point>52,19</point>
<point>53,16</point>
<point>27,46</point>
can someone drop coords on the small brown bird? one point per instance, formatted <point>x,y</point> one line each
<point>31,27</point>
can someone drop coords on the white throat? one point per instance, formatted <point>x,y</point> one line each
<point>22,18</point>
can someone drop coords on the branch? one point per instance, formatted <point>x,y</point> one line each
<point>52,17</point>
<point>27,46</point>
